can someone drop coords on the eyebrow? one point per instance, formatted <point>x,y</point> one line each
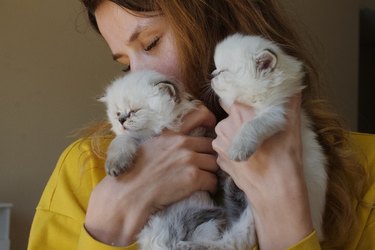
<point>138,30</point>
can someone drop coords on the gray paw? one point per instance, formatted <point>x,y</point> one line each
<point>241,152</point>
<point>188,245</point>
<point>116,166</point>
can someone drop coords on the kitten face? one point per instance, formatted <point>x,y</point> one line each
<point>244,64</point>
<point>251,65</point>
<point>137,101</point>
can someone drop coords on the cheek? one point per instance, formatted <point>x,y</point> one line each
<point>169,64</point>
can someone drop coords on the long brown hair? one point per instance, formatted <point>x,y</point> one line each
<point>198,26</point>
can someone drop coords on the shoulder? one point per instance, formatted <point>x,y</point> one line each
<point>364,141</point>
<point>84,152</point>
<point>77,171</point>
<point>82,157</point>
<point>365,145</point>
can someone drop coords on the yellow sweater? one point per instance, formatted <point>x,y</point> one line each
<point>60,215</point>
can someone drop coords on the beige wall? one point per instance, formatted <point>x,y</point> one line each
<point>52,66</point>
<point>367,4</point>
<point>51,70</point>
<point>333,33</point>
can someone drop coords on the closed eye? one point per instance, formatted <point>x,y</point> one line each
<point>132,112</point>
<point>153,44</point>
<point>126,68</point>
<point>217,72</point>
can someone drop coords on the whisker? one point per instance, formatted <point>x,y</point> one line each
<point>212,101</point>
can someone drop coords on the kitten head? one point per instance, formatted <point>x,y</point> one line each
<point>250,65</point>
<point>140,102</point>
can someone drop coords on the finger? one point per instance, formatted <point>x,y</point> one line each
<point>216,145</point>
<point>293,114</point>
<point>201,117</point>
<point>223,137</point>
<point>207,182</point>
<point>220,148</point>
<point>243,111</point>
<point>196,144</point>
<point>206,162</point>
<point>220,127</point>
<point>294,104</point>
<point>222,162</point>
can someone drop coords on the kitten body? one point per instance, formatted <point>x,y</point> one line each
<point>256,72</point>
<point>140,105</point>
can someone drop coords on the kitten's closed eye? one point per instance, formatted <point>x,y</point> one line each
<point>122,117</point>
<point>217,72</point>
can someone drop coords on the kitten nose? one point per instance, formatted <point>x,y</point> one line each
<point>122,118</point>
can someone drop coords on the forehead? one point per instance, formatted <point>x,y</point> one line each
<point>117,24</point>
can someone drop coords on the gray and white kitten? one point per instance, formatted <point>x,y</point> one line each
<point>140,105</point>
<point>256,72</point>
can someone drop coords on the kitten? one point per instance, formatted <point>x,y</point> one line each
<point>140,105</point>
<point>256,72</point>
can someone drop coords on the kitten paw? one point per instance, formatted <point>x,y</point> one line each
<point>114,171</point>
<point>188,245</point>
<point>236,154</point>
<point>116,167</point>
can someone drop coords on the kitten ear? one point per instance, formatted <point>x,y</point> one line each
<point>102,98</point>
<point>169,88</point>
<point>265,62</point>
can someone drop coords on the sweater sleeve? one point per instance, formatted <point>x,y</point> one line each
<point>60,214</point>
<point>311,242</point>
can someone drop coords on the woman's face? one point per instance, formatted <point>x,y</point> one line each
<point>138,42</point>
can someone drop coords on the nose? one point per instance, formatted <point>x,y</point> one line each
<point>122,118</point>
<point>136,63</point>
<point>139,61</point>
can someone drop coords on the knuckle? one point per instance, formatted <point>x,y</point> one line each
<point>188,158</point>
<point>191,174</point>
<point>217,130</point>
<point>220,126</point>
<point>205,112</point>
<point>214,181</point>
<point>215,144</point>
<point>180,141</point>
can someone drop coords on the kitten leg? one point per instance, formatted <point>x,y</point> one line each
<point>188,245</point>
<point>235,200</point>
<point>252,133</point>
<point>120,154</point>
<point>241,234</point>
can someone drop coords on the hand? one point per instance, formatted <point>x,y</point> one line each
<point>272,178</point>
<point>167,168</point>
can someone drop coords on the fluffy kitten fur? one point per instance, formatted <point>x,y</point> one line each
<point>140,105</point>
<point>256,72</point>
<point>250,70</point>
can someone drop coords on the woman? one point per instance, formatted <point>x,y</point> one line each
<point>82,208</point>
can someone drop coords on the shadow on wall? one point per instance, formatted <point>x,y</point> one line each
<point>366,90</point>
